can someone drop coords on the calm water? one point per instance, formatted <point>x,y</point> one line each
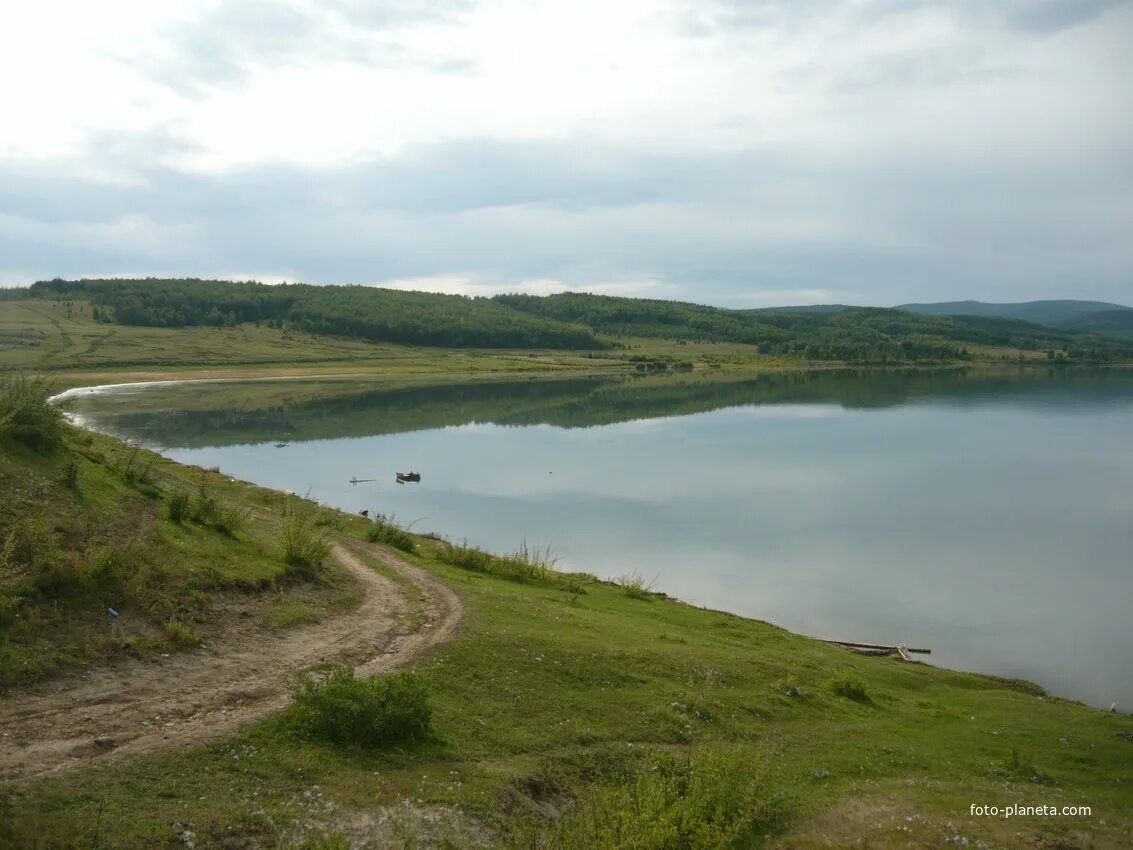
<point>989,518</point>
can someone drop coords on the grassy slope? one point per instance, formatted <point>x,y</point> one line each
<point>67,553</point>
<point>48,336</point>
<point>559,695</point>
<point>549,695</point>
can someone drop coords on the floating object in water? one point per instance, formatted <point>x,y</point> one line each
<point>403,477</point>
<point>281,445</point>
<point>361,480</point>
<point>111,612</point>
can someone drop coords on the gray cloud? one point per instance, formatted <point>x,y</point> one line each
<point>222,47</point>
<point>1007,201</point>
<point>714,227</point>
<point>1033,16</point>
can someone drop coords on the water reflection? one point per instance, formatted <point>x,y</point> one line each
<point>989,517</point>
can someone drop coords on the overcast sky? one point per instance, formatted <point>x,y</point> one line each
<point>741,152</point>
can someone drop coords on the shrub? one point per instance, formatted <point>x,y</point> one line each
<point>385,530</point>
<point>28,545</point>
<point>206,509</point>
<point>202,508</point>
<point>847,683</point>
<point>373,712</point>
<point>70,476</point>
<point>27,415</point>
<point>635,586</point>
<point>230,519</point>
<point>177,506</point>
<point>178,634</point>
<point>465,556</point>
<point>715,799</point>
<point>333,841</point>
<point>305,546</point>
<point>523,565</point>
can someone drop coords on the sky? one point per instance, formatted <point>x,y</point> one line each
<point>733,152</point>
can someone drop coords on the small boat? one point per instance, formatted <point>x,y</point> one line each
<point>412,477</point>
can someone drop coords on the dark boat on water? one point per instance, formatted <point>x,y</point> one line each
<point>411,477</point>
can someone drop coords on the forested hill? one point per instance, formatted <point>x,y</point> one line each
<point>572,321</point>
<point>387,315</point>
<point>1072,315</point>
<point>847,334</point>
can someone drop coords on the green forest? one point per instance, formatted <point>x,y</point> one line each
<point>364,312</point>
<point>570,321</point>
<point>852,334</point>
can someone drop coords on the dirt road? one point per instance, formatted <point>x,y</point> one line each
<point>123,710</point>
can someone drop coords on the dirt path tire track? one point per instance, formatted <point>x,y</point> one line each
<point>193,697</point>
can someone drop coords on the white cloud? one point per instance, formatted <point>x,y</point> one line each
<point>746,151</point>
<point>467,285</point>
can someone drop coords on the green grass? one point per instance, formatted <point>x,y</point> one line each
<point>542,705</point>
<point>564,713</point>
<point>87,524</point>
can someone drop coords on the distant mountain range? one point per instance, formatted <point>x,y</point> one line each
<point>1093,316</point>
<point>1098,316</point>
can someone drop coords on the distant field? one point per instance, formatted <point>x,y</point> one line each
<point>63,339</point>
<point>52,336</point>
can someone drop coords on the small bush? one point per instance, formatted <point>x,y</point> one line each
<point>178,634</point>
<point>385,530</point>
<point>204,508</point>
<point>848,684</point>
<point>112,565</point>
<point>70,476</point>
<point>715,799</point>
<point>133,472</point>
<point>26,414</point>
<point>466,557</point>
<point>333,841</point>
<point>329,519</point>
<point>789,685</point>
<point>635,586</point>
<point>28,545</point>
<point>230,519</point>
<point>178,507</point>
<point>1024,769</point>
<point>305,546</point>
<point>523,565</point>
<point>343,709</point>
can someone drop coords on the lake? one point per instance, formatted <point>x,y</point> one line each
<point>988,516</point>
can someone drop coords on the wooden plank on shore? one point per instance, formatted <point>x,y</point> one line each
<point>895,649</point>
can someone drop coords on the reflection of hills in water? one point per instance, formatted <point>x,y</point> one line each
<point>254,412</point>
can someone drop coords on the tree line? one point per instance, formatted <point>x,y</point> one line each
<point>415,318</point>
<point>860,335</point>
